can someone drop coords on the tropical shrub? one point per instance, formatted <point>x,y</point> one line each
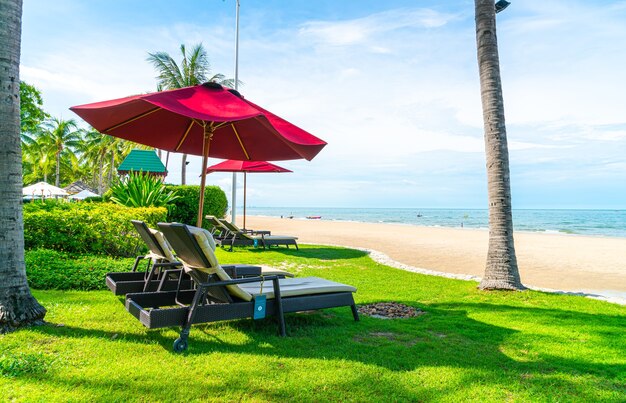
<point>139,190</point>
<point>47,205</point>
<point>50,269</point>
<point>185,208</point>
<point>94,199</point>
<point>94,228</point>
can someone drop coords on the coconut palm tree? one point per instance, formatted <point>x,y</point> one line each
<point>72,169</point>
<point>31,111</point>
<point>37,161</point>
<point>62,136</point>
<point>18,307</point>
<point>104,153</point>
<point>118,150</point>
<point>194,69</point>
<point>95,148</point>
<point>501,270</point>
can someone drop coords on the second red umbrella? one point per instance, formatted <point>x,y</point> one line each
<point>245,167</point>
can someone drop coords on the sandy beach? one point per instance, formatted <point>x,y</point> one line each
<point>594,265</point>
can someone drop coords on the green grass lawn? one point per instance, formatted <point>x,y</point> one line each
<point>470,345</point>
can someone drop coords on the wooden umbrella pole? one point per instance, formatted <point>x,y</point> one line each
<point>244,200</point>
<point>206,145</point>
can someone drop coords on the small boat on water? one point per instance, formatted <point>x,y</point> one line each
<point>314,217</point>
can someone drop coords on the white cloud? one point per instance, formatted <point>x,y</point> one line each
<point>360,30</point>
<point>395,93</point>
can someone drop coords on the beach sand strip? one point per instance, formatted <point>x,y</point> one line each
<point>571,264</point>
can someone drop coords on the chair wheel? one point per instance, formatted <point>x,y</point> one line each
<point>180,345</point>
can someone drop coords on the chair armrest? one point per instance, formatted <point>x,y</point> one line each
<point>239,281</point>
<point>231,271</point>
<point>237,271</point>
<point>265,232</point>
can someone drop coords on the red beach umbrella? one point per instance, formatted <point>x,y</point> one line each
<point>245,167</point>
<point>207,120</point>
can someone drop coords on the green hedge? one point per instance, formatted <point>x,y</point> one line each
<point>50,269</point>
<point>92,228</point>
<point>185,208</point>
<point>47,205</point>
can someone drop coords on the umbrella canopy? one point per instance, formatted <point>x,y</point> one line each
<point>245,167</point>
<point>43,189</point>
<point>83,194</point>
<point>206,120</point>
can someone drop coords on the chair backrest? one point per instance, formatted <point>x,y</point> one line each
<point>231,227</point>
<point>234,229</point>
<point>194,248</point>
<point>218,226</point>
<point>157,246</point>
<point>180,238</point>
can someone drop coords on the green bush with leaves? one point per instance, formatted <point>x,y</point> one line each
<point>94,199</point>
<point>53,270</point>
<point>94,228</point>
<point>140,190</point>
<point>47,205</point>
<point>185,208</point>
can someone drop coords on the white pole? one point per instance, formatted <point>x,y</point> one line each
<point>233,210</point>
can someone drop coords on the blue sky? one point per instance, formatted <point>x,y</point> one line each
<point>392,87</point>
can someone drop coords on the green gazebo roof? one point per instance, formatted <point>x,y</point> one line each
<point>142,160</point>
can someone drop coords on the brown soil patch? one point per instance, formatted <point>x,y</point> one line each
<point>389,310</point>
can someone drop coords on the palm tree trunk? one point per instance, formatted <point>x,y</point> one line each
<point>111,168</point>
<point>501,270</point>
<point>101,174</point>
<point>17,306</point>
<point>183,170</point>
<point>58,170</point>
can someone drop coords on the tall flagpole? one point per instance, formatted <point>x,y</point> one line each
<point>233,210</point>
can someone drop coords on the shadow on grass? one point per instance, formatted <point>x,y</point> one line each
<point>237,385</point>
<point>57,330</point>
<point>445,337</point>
<point>326,335</point>
<point>334,330</point>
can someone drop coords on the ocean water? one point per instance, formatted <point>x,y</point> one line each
<point>582,222</point>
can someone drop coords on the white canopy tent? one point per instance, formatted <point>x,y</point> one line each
<point>43,189</point>
<point>83,194</point>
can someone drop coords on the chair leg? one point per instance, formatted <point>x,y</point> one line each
<point>279,308</point>
<point>180,344</point>
<point>355,312</point>
<point>180,281</point>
